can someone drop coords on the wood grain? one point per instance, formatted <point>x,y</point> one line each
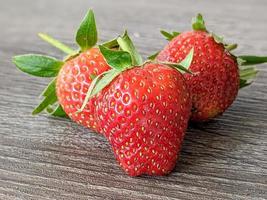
<point>48,158</point>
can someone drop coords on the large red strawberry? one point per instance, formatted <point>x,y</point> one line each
<point>143,110</point>
<point>217,78</point>
<point>73,76</point>
<point>144,114</point>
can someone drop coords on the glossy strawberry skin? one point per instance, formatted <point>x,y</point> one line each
<point>144,114</point>
<point>73,82</point>
<point>215,84</point>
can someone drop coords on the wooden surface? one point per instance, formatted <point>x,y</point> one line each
<point>49,158</point>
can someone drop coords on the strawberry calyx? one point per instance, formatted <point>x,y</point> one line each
<point>247,74</point>
<point>124,58</point>
<point>198,23</point>
<point>47,66</point>
<point>169,35</point>
<point>247,71</point>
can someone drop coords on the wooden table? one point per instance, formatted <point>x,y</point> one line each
<point>49,158</point>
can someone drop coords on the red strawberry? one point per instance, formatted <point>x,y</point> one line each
<point>73,82</point>
<point>144,114</point>
<point>215,83</point>
<point>66,93</point>
<point>143,110</point>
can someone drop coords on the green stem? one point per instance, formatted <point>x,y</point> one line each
<point>198,23</point>
<point>56,43</point>
<point>252,60</point>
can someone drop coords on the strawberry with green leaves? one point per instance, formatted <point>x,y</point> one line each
<point>142,108</point>
<point>145,118</point>
<point>217,73</point>
<point>73,76</point>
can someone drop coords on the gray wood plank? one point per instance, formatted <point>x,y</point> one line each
<point>49,158</point>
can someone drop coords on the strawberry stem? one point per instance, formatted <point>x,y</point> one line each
<point>198,23</point>
<point>56,43</point>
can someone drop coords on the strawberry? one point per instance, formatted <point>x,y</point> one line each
<point>215,84</point>
<point>143,110</point>
<point>217,76</point>
<point>144,118</point>
<point>66,93</point>
<point>73,82</point>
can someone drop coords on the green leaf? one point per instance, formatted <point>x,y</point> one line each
<point>92,76</point>
<point>38,65</point>
<point>175,33</point>
<point>50,103</point>
<point>217,38</point>
<point>50,99</point>
<point>105,81</point>
<point>59,112</point>
<point>184,65</point>
<point>111,44</point>
<point>251,60</point>
<point>127,45</point>
<point>179,67</point>
<point>243,83</point>
<point>198,23</point>
<point>56,110</point>
<point>86,36</point>
<point>186,62</point>
<point>240,61</point>
<point>247,74</point>
<point>50,88</point>
<point>220,40</point>
<point>153,56</point>
<point>169,36</point>
<point>90,90</point>
<point>98,84</point>
<point>56,43</point>
<point>119,60</point>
